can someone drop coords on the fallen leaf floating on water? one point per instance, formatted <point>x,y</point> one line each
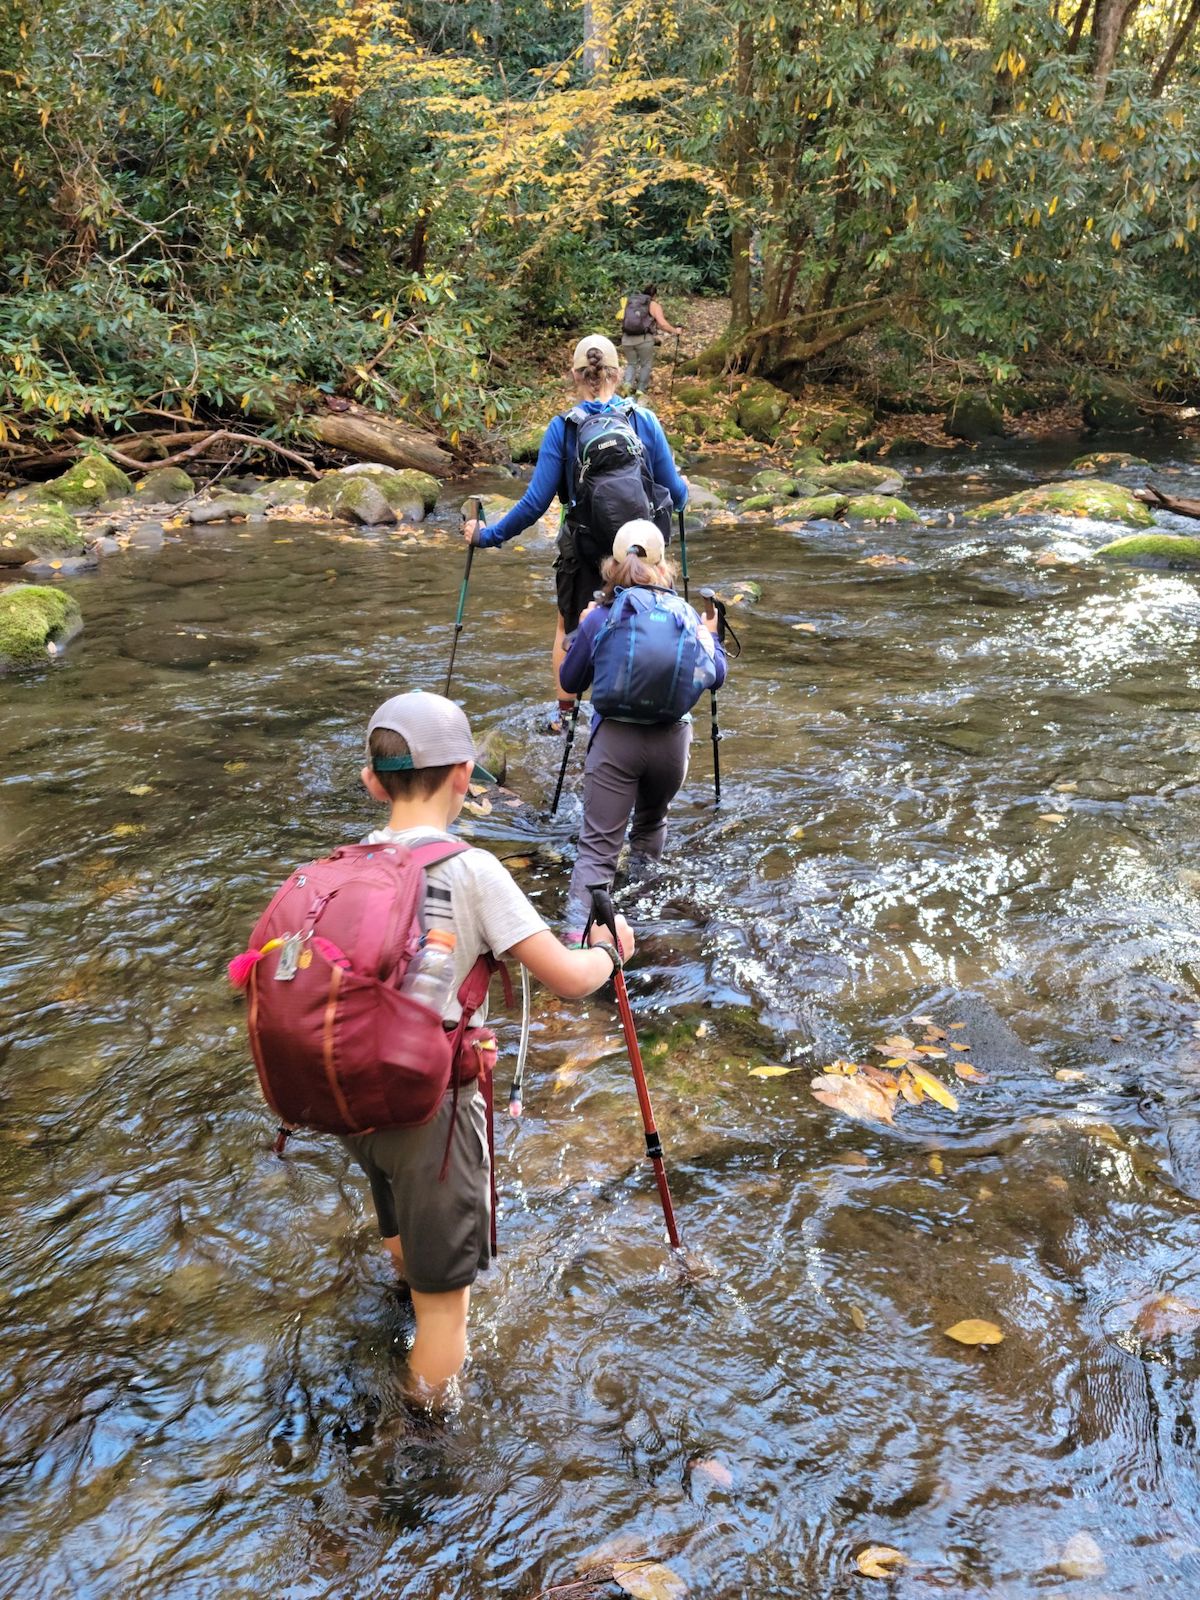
<point>648,1580</point>
<point>932,1051</point>
<point>958,1024</point>
<point>974,1331</point>
<point>880,1561</point>
<point>517,863</point>
<point>714,1469</point>
<point>1082,1557</point>
<point>933,1087</point>
<point>124,829</point>
<point>964,1069</point>
<point>1051,816</point>
<point>899,1042</point>
<point>804,627</point>
<point>1164,1315</point>
<point>854,1097</point>
<point>933,1034</point>
<point>1070,1075</point>
<point>140,789</point>
<point>772,1072</point>
<point>956,1046</point>
<point>936,1165</point>
<point>924,1022</point>
<point>478,808</point>
<point>858,1318</point>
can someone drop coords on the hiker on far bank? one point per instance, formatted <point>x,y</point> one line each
<point>608,461</point>
<point>642,317</point>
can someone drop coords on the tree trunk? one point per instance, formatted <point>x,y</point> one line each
<point>597,37</point>
<point>743,184</point>
<point>1078,23</point>
<point>785,357</point>
<point>1112,18</point>
<point>1182,34</point>
<point>370,436</point>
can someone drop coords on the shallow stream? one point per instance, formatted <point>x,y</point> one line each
<point>967,787</point>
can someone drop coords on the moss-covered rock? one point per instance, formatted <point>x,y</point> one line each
<point>358,499</point>
<point>38,533</point>
<point>761,408</point>
<point>225,508</point>
<point>817,507</point>
<point>706,494</point>
<point>31,619</point>
<point>399,486</point>
<point>1102,502</point>
<point>166,486</point>
<point>89,482</point>
<point>1111,407</point>
<point>1107,461</point>
<point>879,508</point>
<point>806,461</point>
<point>761,502</point>
<point>974,417</point>
<point>284,492</point>
<point>771,481</point>
<point>1173,551</point>
<point>859,477</point>
<point>524,446</point>
<point>691,393</point>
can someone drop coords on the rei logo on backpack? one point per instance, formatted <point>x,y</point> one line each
<point>637,321</point>
<point>337,1046</point>
<point>653,658</point>
<point>611,482</point>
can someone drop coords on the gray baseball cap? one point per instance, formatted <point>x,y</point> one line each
<point>435,729</point>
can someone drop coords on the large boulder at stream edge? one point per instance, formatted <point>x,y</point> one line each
<point>1111,407</point>
<point>974,417</point>
<point>706,494</point>
<point>1100,501</point>
<point>879,508</point>
<point>35,622</point>
<point>38,533</point>
<point>761,408</point>
<point>165,486</point>
<point>858,477</point>
<point>90,482</point>
<point>402,486</point>
<point>352,499</point>
<point>1175,552</point>
<point>1107,461</point>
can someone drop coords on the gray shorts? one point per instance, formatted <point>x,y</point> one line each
<point>443,1224</point>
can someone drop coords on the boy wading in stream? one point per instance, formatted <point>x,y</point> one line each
<point>648,658</point>
<point>367,983</point>
<point>608,461</point>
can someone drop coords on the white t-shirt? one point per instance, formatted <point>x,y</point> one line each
<point>473,895</point>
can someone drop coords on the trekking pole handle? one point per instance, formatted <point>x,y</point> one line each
<point>713,602</point>
<point>602,912</point>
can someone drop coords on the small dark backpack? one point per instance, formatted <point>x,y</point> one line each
<point>653,658</point>
<point>637,321</point>
<point>611,481</point>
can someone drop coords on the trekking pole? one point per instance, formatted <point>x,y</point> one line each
<point>714,603</point>
<point>515,1106</point>
<point>674,364</point>
<point>683,551</point>
<point>562,771</point>
<point>472,511</point>
<point>603,913</point>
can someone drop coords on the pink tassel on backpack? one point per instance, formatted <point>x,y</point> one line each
<point>240,967</point>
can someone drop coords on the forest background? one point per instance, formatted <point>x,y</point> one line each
<point>210,209</point>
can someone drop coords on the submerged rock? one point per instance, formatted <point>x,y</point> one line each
<point>400,486</point>
<point>761,408</point>
<point>879,508</point>
<point>38,533</point>
<point>1175,552</point>
<point>1107,460</point>
<point>855,477</point>
<point>165,486</point>
<point>89,482</point>
<point>1102,502</point>
<point>225,508</point>
<point>974,417</point>
<point>34,623</point>
<point>186,649</point>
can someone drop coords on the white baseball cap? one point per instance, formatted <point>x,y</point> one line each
<point>639,535</point>
<point>435,729</point>
<point>594,341</point>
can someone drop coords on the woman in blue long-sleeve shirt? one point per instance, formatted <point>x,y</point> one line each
<point>596,371</point>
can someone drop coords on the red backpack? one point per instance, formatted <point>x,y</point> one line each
<point>337,1046</point>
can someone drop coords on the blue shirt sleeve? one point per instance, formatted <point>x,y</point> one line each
<point>575,674</point>
<point>662,462</point>
<point>548,477</point>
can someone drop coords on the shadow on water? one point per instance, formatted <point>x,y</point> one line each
<point>200,1392</point>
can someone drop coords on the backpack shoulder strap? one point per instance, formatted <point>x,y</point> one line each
<point>437,851</point>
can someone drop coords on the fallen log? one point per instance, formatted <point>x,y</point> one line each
<point>371,436</point>
<point>1180,505</point>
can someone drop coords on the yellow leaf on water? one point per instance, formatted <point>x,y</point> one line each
<point>933,1087</point>
<point>899,1042</point>
<point>478,808</point>
<point>880,1561</point>
<point>140,789</point>
<point>964,1069</point>
<point>772,1072</point>
<point>1051,816</point>
<point>955,1046</point>
<point>931,1051</point>
<point>858,1318</point>
<point>896,1061</point>
<point>804,627</point>
<point>1070,1075</point>
<point>936,1165</point>
<point>975,1331</point>
<point>855,1097</point>
<point>958,1024</point>
<point>648,1580</point>
<point>124,829</point>
<point>235,766</point>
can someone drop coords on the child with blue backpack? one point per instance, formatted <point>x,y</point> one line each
<point>648,657</point>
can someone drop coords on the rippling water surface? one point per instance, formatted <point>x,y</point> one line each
<point>199,1388</point>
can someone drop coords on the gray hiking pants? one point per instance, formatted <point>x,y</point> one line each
<point>629,768</point>
<point>638,351</point>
